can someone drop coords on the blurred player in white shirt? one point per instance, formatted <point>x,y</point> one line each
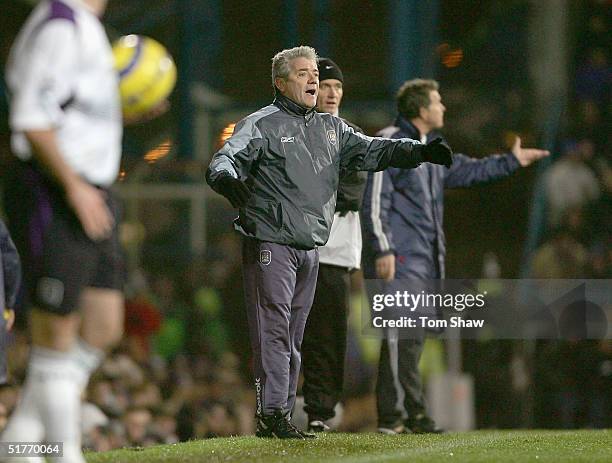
<point>65,118</point>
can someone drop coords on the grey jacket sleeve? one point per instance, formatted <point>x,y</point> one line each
<point>237,154</point>
<point>360,152</point>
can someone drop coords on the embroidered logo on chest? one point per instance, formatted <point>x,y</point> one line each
<point>331,136</point>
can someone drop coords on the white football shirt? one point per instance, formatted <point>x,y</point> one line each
<point>60,76</point>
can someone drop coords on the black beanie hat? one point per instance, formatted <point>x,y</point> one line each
<point>329,70</point>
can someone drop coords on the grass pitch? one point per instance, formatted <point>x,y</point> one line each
<point>479,446</point>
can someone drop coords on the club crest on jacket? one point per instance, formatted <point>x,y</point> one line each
<point>331,136</point>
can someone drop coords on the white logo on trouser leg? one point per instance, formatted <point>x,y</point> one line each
<point>258,395</point>
<point>265,257</point>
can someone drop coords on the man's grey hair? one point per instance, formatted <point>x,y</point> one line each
<point>280,62</point>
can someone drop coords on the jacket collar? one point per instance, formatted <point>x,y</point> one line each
<point>406,126</point>
<point>291,107</point>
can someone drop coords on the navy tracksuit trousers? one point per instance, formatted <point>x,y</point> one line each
<point>279,283</point>
<point>399,389</point>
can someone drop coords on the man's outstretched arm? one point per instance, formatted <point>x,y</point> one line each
<point>467,171</point>
<point>360,152</point>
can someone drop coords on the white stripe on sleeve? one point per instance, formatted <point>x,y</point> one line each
<point>375,214</point>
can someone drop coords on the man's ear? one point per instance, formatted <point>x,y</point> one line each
<point>422,112</point>
<point>280,84</point>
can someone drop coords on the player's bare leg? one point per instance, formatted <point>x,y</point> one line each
<point>102,311</point>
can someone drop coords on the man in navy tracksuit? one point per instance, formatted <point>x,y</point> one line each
<point>403,239</point>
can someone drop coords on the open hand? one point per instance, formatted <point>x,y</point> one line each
<point>526,156</point>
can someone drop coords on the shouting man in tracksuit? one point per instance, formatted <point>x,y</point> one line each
<point>403,239</point>
<point>281,169</point>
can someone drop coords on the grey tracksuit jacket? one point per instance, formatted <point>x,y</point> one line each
<point>290,158</point>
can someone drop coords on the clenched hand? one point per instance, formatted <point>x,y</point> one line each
<point>385,267</point>
<point>234,190</point>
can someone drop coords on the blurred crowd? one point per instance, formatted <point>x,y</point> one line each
<point>573,377</point>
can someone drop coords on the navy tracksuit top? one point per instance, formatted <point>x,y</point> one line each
<point>402,211</point>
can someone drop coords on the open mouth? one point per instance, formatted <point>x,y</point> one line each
<point>311,92</point>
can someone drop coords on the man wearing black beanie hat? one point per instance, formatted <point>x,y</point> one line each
<point>329,70</point>
<point>331,82</point>
<point>324,343</point>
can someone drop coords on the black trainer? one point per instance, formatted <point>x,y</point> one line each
<point>279,426</point>
<point>422,424</point>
